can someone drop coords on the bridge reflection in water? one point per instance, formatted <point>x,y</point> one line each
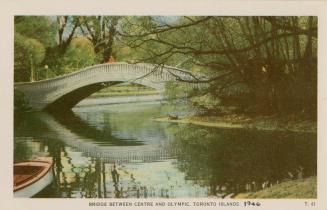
<point>91,148</point>
<point>85,169</point>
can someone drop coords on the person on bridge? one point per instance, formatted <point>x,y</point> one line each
<point>111,59</point>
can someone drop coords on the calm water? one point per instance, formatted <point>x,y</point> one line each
<point>119,151</point>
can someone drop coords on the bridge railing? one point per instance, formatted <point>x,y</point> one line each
<point>159,69</point>
<point>161,72</point>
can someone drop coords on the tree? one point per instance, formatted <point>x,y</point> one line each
<point>101,31</point>
<point>271,59</point>
<point>41,28</point>
<point>34,36</point>
<point>79,54</point>
<point>29,54</point>
<point>65,30</point>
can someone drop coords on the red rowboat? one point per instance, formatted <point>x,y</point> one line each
<point>30,177</point>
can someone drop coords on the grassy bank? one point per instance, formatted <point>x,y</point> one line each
<point>303,188</point>
<point>288,123</point>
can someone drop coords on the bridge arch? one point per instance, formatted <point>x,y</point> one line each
<point>64,92</point>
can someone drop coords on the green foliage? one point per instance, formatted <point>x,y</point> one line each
<point>41,28</point>
<point>21,63</point>
<point>20,102</point>
<point>33,34</point>
<point>274,57</point>
<point>206,102</point>
<point>102,32</point>
<point>175,91</point>
<point>79,54</point>
<point>28,55</point>
<point>35,50</point>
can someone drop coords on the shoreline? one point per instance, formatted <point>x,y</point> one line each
<point>291,123</point>
<point>297,189</point>
<point>115,94</point>
<point>119,100</point>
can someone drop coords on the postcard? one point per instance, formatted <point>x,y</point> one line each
<point>163,105</point>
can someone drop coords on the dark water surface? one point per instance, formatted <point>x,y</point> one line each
<point>119,151</point>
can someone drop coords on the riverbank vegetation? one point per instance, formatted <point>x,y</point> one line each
<point>124,89</point>
<point>293,123</point>
<point>255,65</point>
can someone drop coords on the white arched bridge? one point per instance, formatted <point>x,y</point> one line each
<point>64,92</point>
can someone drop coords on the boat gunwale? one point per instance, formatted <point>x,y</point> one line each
<point>47,166</point>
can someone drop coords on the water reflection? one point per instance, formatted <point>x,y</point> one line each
<point>96,178</point>
<point>229,161</point>
<point>102,136</point>
<point>118,151</point>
